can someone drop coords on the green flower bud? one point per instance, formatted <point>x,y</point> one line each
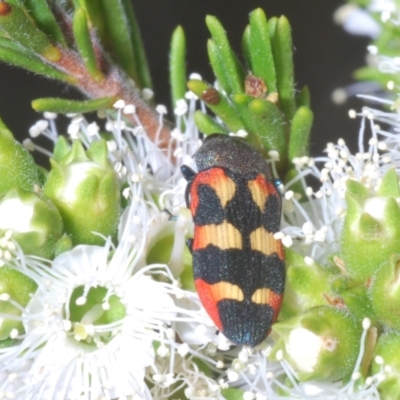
<point>370,232</point>
<point>387,352</point>
<point>84,187</point>
<point>320,344</point>
<point>307,285</point>
<point>385,292</point>
<point>36,223</point>
<point>64,244</point>
<point>358,302</point>
<point>17,167</point>
<point>17,287</point>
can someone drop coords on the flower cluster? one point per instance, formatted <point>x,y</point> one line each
<point>101,311</point>
<point>119,317</point>
<point>97,296</point>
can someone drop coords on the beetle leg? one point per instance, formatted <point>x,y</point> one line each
<point>172,217</point>
<point>189,175</point>
<point>189,244</point>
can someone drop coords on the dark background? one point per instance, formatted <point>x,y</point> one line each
<point>325,57</point>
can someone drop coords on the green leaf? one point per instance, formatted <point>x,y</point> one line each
<point>269,126</point>
<point>206,124</point>
<point>241,102</point>
<point>84,43</point>
<point>41,13</point>
<point>5,132</point>
<point>262,61</point>
<point>216,103</point>
<point>63,106</point>
<point>233,72</point>
<point>14,54</point>
<point>119,41</point>
<point>300,133</point>
<point>20,28</point>
<point>303,97</point>
<point>177,65</point>
<point>246,47</point>
<point>283,55</point>
<point>18,3</point>
<point>271,27</point>
<point>217,65</point>
<point>142,67</point>
<point>95,15</point>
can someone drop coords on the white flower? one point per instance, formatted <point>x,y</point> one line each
<point>67,353</point>
<point>91,325</point>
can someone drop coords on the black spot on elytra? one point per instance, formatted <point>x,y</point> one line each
<point>250,270</point>
<point>242,212</point>
<point>245,323</point>
<point>209,210</point>
<point>272,215</point>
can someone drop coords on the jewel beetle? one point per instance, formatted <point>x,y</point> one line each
<point>238,265</point>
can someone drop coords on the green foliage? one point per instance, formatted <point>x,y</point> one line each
<point>258,97</point>
<point>93,45</point>
<point>84,43</point>
<point>177,65</point>
<point>364,283</point>
<point>17,167</point>
<point>16,24</point>
<point>64,106</point>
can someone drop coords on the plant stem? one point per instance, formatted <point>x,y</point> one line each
<point>114,84</point>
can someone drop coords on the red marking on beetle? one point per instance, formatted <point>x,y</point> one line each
<point>207,299</point>
<point>281,252</point>
<point>275,302</point>
<point>267,187</point>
